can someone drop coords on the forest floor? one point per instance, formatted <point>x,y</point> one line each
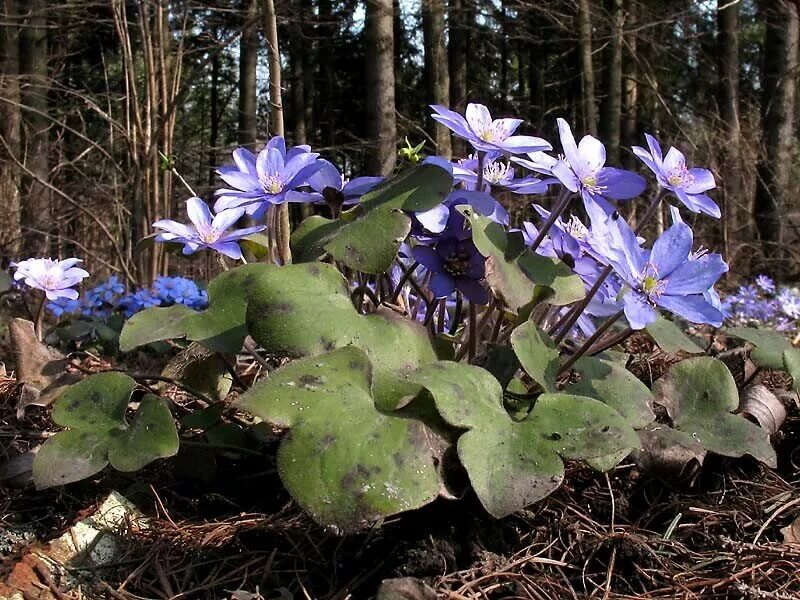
<point>231,531</point>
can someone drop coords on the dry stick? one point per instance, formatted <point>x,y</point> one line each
<point>281,222</point>
<point>592,339</point>
<point>572,315</point>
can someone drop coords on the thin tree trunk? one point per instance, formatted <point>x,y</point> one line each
<point>537,65</point>
<point>630,90</point>
<point>298,79</point>
<point>779,82</point>
<point>611,107</point>
<point>248,66</point>
<point>587,68</point>
<point>37,205</point>
<point>328,96</point>
<point>213,136</point>
<point>381,121</point>
<point>457,63</point>
<point>10,234</point>
<point>733,196</point>
<point>437,78</point>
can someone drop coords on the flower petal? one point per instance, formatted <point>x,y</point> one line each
<point>199,213</point>
<point>696,276</point>
<point>638,312</point>
<point>621,184</point>
<point>427,257</point>
<point>671,249</point>
<point>478,118</point>
<point>694,308</point>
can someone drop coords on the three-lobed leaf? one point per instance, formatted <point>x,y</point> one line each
<point>537,353</point>
<point>699,395</point>
<point>94,411</point>
<point>345,462</point>
<point>220,327</point>
<point>512,464</point>
<point>769,345</point>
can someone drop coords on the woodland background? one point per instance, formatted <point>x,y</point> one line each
<point>92,91</point>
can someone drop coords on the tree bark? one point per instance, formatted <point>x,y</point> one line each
<point>298,78</point>
<point>37,207</point>
<point>10,233</point>
<point>248,90</point>
<point>779,81</point>
<point>630,90</point>
<point>611,108</point>
<point>457,63</point>
<point>213,135</point>
<point>381,124</point>
<point>731,186</point>
<point>437,78</point>
<point>587,67</point>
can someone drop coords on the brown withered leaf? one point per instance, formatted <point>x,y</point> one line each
<point>758,402</point>
<point>41,370</point>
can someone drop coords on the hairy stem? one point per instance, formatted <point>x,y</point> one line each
<point>592,339</point>
<point>561,205</point>
<point>37,327</point>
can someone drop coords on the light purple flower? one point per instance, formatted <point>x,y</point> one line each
<point>496,173</point>
<point>56,278</point>
<point>345,192</point>
<point>766,283</point>
<point>582,170</point>
<point>672,174</point>
<point>487,135</point>
<point>206,230</point>
<point>670,275</point>
<point>272,177</point>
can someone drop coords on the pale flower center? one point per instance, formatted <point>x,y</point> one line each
<point>49,280</point>
<point>496,132</point>
<point>651,285</point>
<point>496,172</point>
<point>208,236</point>
<point>680,176</point>
<point>591,183</point>
<point>272,184</point>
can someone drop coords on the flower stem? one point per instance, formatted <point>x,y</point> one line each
<point>563,201</point>
<point>403,280</point>
<point>479,183</point>
<point>473,332</point>
<point>572,316</point>
<point>37,327</point>
<point>592,339</point>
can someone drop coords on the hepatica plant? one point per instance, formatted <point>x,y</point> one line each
<point>417,334</point>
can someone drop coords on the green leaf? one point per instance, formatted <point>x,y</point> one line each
<point>419,188</point>
<point>614,385</point>
<point>791,364</point>
<point>769,345</point>
<point>310,238</point>
<point>220,327</point>
<point>202,370</point>
<point>370,244</point>
<point>305,310</point>
<point>345,462</point>
<point>699,395</point>
<point>554,274</point>
<point>514,464</point>
<point>513,273</point>
<point>256,244</point>
<point>669,337</point>
<point>537,353</point>
<point>94,410</point>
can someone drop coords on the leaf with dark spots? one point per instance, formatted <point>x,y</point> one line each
<point>345,462</point>
<point>98,434</point>
<point>699,395</point>
<point>512,464</point>
<point>323,318</point>
<point>370,244</point>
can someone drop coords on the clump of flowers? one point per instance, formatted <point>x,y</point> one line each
<point>108,298</point>
<point>763,303</point>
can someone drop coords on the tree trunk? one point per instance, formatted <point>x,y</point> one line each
<point>248,90</point>
<point>10,234</point>
<point>381,124</point>
<point>611,107</point>
<point>297,74</point>
<point>537,65</point>
<point>587,68</point>
<point>437,78</point>
<point>328,90</point>
<point>733,197</point>
<point>630,91</point>
<point>36,218</point>
<point>457,63</point>
<point>213,135</point>
<point>779,79</point>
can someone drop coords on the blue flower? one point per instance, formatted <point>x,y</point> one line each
<point>207,230</point>
<point>766,283</point>
<point>669,276</point>
<point>329,184</point>
<point>688,185</point>
<point>455,264</point>
<point>498,174</point>
<point>487,135</point>
<point>582,170</point>
<point>272,177</point>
